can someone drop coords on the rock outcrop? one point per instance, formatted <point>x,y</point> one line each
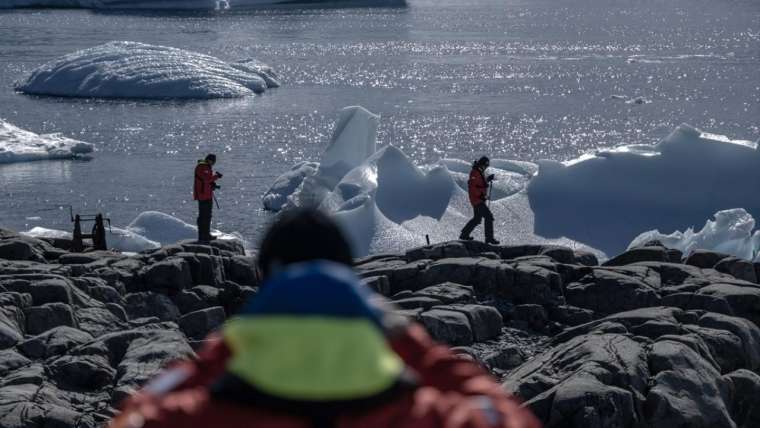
<point>648,339</point>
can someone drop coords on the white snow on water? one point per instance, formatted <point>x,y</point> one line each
<point>123,69</point>
<point>604,200</point>
<point>386,203</point>
<point>149,230</point>
<point>732,232</point>
<point>19,145</point>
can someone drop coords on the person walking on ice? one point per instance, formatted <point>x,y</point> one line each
<point>203,192</point>
<point>477,187</point>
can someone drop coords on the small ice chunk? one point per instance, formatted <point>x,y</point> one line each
<point>19,145</point>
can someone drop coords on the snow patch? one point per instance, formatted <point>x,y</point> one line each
<point>137,70</point>
<point>149,230</point>
<point>732,232</point>
<point>19,145</point>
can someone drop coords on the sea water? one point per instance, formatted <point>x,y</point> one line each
<point>513,79</point>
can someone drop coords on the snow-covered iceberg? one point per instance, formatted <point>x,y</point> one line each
<point>606,199</point>
<point>19,145</point>
<point>122,69</point>
<point>732,232</point>
<point>149,230</point>
<point>385,202</point>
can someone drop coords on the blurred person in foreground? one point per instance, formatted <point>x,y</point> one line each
<point>316,348</point>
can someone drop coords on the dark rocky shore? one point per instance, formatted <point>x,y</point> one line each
<point>649,339</point>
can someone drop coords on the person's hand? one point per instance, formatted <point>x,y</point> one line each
<point>491,178</point>
<point>218,174</point>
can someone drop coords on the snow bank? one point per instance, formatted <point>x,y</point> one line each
<point>385,202</point>
<point>18,145</point>
<point>138,70</point>
<point>732,232</point>
<point>149,230</point>
<point>606,199</point>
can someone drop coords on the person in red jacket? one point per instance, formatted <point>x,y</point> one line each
<point>316,348</point>
<point>203,192</point>
<point>477,187</point>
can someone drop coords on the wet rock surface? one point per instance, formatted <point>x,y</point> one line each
<point>651,338</point>
<point>79,332</point>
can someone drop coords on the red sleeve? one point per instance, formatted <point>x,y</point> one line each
<point>439,368</point>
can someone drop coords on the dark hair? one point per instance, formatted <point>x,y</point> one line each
<point>300,235</point>
<point>211,157</point>
<point>482,161</point>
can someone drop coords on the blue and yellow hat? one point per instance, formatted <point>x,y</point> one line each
<point>313,334</point>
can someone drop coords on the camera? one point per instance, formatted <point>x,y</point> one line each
<point>491,177</point>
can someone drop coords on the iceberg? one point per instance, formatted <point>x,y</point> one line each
<point>148,231</point>
<point>732,232</point>
<point>123,69</point>
<point>19,145</point>
<point>606,199</point>
<point>384,202</point>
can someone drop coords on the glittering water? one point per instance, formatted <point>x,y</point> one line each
<point>516,79</point>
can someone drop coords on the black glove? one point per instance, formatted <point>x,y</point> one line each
<point>215,186</point>
<point>219,175</point>
<point>491,178</point>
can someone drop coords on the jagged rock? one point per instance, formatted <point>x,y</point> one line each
<point>704,259</point>
<point>33,373</point>
<point>144,356</point>
<point>570,315</point>
<point>98,321</point>
<point>698,301</point>
<point>447,326</point>
<point>448,292</point>
<point>198,324</point>
<point>640,254</point>
<point>439,251</point>
<point>47,290</point>
<point>378,284</point>
<point>748,332</point>
<point>11,360</point>
<point>150,304</point>
<point>12,298</point>
<point>10,333</point>
<point>738,268</point>
<point>196,298</point>
<point>233,296</point>
<point>204,268</point>
<point>53,342</point>
<point>586,259</point>
<point>417,302</point>
<point>87,372</point>
<point>745,388</point>
<point>687,390</point>
<point>172,274</point>
<point>505,358</point>
<point>40,319</point>
<point>593,380</point>
<point>607,292</point>
<point>485,321</point>
<point>744,300</point>
<point>534,315</point>
<point>243,270</point>
<point>14,249</point>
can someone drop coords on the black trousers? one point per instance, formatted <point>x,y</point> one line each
<point>204,220</point>
<point>481,212</point>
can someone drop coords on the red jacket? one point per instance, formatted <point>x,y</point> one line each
<point>203,189</point>
<point>477,187</point>
<point>451,392</point>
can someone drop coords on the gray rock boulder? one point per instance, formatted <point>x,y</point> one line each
<point>55,341</point>
<point>196,325</point>
<point>40,319</point>
<point>150,304</point>
<point>448,326</point>
<point>171,274</point>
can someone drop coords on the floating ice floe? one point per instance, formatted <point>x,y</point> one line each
<point>385,202</point>
<point>19,145</point>
<point>732,232</point>
<point>149,230</point>
<point>138,70</point>
<point>606,199</point>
